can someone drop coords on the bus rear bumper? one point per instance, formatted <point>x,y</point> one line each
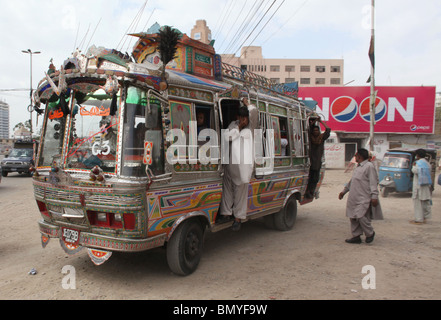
<point>98,246</point>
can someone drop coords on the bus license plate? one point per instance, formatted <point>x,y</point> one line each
<point>71,236</point>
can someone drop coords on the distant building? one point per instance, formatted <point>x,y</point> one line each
<point>4,120</point>
<point>307,72</point>
<point>201,32</point>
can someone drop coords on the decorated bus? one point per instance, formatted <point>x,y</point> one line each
<point>110,175</point>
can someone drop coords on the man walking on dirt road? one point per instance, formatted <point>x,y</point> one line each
<point>362,204</point>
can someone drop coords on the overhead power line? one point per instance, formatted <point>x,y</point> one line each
<point>266,23</point>
<point>290,18</point>
<point>266,12</point>
<point>245,23</point>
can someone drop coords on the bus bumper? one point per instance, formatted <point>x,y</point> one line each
<point>100,247</point>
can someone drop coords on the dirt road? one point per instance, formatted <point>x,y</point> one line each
<point>312,261</point>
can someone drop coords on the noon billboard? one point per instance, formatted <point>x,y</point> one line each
<point>397,109</point>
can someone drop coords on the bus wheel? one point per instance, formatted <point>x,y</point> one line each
<point>184,250</point>
<point>286,218</point>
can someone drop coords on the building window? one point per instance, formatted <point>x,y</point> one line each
<point>335,80</point>
<point>320,81</point>
<point>290,68</point>
<point>335,69</point>
<point>305,81</point>
<point>244,67</point>
<point>289,80</point>
<point>275,80</point>
<point>274,68</point>
<point>320,69</point>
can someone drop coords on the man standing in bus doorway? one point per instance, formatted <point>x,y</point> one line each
<point>316,150</point>
<point>362,204</point>
<point>421,188</point>
<point>238,170</point>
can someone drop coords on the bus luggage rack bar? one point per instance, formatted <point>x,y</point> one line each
<point>237,73</point>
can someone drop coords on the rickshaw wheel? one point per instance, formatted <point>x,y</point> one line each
<point>184,250</point>
<point>285,219</point>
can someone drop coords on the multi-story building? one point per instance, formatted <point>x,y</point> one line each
<point>4,120</point>
<point>307,72</point>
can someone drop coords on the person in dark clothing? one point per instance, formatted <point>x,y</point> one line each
<point>316,149</point>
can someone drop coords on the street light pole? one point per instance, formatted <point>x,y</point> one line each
<point>29,51</point>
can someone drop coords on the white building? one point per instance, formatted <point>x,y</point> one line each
<point>4,120</point>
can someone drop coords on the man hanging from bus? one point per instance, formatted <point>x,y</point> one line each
<point>316,149</point>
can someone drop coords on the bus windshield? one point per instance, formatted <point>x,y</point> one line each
<point>53,136</point>
<point>93,132</point>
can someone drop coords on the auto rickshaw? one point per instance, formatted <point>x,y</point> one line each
<point>395,172</point>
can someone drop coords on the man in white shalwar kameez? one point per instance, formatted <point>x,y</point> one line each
<point>421,188</point>
<point>362,204</point>
<point>238,171</point>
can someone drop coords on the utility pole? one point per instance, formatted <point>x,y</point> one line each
<point>30,107</point>
<point>372,99</point>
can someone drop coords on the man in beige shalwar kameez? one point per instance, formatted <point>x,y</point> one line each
<point>362,205</point>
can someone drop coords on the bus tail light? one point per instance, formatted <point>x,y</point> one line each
<point>111,220</point>
<point>43,209</point>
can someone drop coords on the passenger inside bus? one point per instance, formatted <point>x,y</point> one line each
<point>201,123</point>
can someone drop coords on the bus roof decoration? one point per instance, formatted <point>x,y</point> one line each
<point>191,57</point>
<point>167,47</point>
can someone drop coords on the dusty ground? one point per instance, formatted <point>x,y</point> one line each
<point>312,261</point>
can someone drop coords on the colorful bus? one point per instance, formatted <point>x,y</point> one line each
<point>109,175</point>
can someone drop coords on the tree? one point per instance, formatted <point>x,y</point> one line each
<point>20,125</point>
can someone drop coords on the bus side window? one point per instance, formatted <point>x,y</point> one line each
<point>180,116</point>
<point>281,138</point>
<point>298,138</point>
<point>207,137</point>
<point>154,135</point>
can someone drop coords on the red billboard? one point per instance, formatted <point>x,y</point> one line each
<point>397,109</point>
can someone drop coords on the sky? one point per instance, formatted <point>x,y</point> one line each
<point>407,35</point>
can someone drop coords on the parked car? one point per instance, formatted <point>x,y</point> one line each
<point>20,159</point>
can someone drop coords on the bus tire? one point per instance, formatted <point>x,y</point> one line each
<point>184,250</point>
<point>285,219</point>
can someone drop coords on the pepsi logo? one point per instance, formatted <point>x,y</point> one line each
<point>413,127</point>
<point>380,109</point>
<point>344,109</point>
